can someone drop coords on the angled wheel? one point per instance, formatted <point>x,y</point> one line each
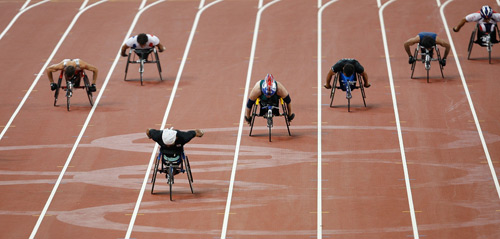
<point>128,62</point>
<point>415,62</point>
<point>334,86</point>
<point>56,93</point>
<point>189,174</point>
<point>252,121</point>
<point>285,114</point>
<point>471,43</point>
<point>155,171</point>
<point>87,89</point>
<point>362,88</point>
<point>158,63</point>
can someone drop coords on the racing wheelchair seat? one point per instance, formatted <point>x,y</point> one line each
<point>347,87</point>
<point>426,57</point>
<point>171,164</point>
<point>71,84</point>
<point>269,112</point>
<point>484,39</point>
<point>143,56</point>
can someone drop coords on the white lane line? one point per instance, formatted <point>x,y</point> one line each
<point>21,11</point>
<point>469,99</point>
<point>165,117</point>
<point>438,3</point>
<point>44,66</point>
<point>25,4</point>
<point>59,179</point>
<point>398,123</point>
<point>84,3</point>
<point>498,2</point>
<point>320,150</point>
<point>242,116</point>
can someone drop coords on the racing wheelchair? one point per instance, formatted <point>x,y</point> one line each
<point>171,164</point>
<point>487,40</point>
<point>348,89</point>
<point>269,112</point>
<point>71,85</point>
<point>426,57</point>
<point>141,57</point>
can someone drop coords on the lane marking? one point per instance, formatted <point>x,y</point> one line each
<point>398,124</point>
<point>169,106</point>
<point>21,11</point>
<point>469,99</point>
<point>242,116</point>
<point>45,66</point>
<point>319,186</point>
<point>96,103</point>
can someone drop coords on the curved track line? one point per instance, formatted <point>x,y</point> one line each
<point>398,123</point>
<point>21,11</point>
<point>80,12</point>
<point>242,116</point>
<point>469,99</point>
<point>167,112</point>
<point>319,205</point>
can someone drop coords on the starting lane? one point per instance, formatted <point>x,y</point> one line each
<point>352,200</point>
<point>211,86</point>
<point>277,52</point>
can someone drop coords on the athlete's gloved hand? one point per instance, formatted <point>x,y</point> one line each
<point>53,86</point>
<point>248,119</point>
<point>92,88</point>
<point>443,62</point>
<point>124,54</point>
<point>411,60</point>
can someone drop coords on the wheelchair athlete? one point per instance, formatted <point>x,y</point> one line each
<point>269,92</point>
<point>347,67</point>
<point>172,141</point>
<point>486,20</point>
<point>427,41</point>
<point>142,41</point>
<point>72,68</point>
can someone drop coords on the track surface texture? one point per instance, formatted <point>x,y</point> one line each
<point>421,160</point>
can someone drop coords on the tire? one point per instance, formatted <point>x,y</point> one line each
<point>189,174</point>
<point>170,179</point>
<point>141,70</point>
<point>428,75</point>
<point>56,95</point>
<point>269,125</point>
<point>87,88</point>
<point>155,171</point>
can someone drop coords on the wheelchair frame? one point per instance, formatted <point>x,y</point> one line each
<point>488,46</point>
<point>269,116</point>
<point>70,87</point>
<point>348,90</point>
<point>150,58</point>
<point>426,59</point>
<point>168,168</point>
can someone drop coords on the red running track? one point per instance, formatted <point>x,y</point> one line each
<point>363,185</point>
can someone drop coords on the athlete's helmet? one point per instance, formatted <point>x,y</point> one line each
<point>268,86</point>
<point>486,11</point>
<point>169,136</point>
